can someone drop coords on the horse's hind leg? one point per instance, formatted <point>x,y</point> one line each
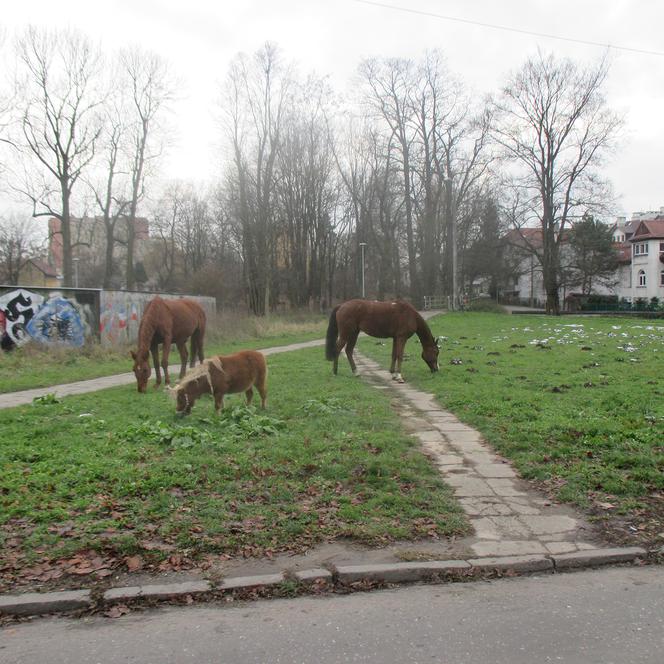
<point>182,349</point>
<point>250,396</point>
<point>261,386</point>
<point>399,348</point>
<point>394,357</point>
<point>192,350</point>
<point>350,347</point>
<point>341,342</point>
<point>197,347</point>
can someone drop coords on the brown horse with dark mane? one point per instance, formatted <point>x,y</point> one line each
<point>166,322</point>
<point>398,319</point>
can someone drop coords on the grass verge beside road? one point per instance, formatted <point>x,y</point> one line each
<point>112,480</point>
<point>576,402</point>
<point>35,365</point>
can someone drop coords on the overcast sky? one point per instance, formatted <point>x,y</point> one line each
<point>199,37</point>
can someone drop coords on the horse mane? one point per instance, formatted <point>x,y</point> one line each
<point>423,330</point>
<point>147,326</point>
<point>202,370</point>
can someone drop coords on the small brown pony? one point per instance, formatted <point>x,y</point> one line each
<point>221,375</point>
<point>398,320</point>
<point>166,322</point>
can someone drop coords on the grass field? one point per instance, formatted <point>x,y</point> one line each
<point>37,366</point>
<point>113,480</point>
<point>577,404</point>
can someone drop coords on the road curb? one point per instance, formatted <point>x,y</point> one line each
<point>34,604</point>
<point>339,578</point>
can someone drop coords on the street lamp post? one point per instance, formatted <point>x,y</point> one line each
<point>76,260</point>
<point>362,245</point>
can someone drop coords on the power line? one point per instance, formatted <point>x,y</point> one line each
<point>505,28</point>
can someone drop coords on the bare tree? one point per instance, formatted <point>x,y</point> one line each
<point>150,92</point>
<point>59,122</point>
<point>389,88</point>
<point>110,187</point>
<point>257,92</point>
<point>554,127</point>
<point>19,241</point>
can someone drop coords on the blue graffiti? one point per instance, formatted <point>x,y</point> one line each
<point>57,321</point>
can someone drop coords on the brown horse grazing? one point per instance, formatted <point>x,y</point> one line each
<point>398,320</point>
<point>221,375</point>
<point>166,322</point>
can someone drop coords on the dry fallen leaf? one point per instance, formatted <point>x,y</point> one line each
<point>134,563</point>
<point>116,611</point>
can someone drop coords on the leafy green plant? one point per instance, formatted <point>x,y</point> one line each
<point>323,405</point>
<point>166,434</point>
<point>46,399</point>
<point>245,421</point>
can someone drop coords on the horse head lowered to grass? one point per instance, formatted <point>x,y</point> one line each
<point>166,322</point>
<point>398,320</point>
<point>221,375</point>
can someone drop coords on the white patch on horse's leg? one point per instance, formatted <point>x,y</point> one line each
<point>399,378</point>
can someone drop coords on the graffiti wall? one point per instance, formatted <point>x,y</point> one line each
<point>46,316</point>
<point>121,312</point>
<point>75,316</point>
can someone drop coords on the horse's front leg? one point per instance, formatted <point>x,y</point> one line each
<point>182,349</point>
<point>164,359</point>
<point>154,349</point>
<point>400,344</point>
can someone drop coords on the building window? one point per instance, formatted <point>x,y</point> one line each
<point>641,249</point>
<point>642,279</point>
<point>661,247</point>
<point>661,278</point>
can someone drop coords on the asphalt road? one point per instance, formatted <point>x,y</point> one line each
<point>610,616</point>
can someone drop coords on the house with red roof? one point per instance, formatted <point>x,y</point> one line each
<point>37,272</point>
<point>646,274</point>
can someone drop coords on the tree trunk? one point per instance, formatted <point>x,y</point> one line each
<point>65,230</point>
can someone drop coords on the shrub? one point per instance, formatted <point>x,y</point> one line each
<point>486,305</point>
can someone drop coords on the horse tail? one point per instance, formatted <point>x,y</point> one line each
<point>331,337</point>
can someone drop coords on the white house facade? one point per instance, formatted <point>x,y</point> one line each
<point>645,276</point>
<point>639,242</point>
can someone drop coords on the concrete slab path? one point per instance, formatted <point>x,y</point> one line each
<point>508,516</point>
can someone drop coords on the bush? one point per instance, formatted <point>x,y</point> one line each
<point>486,305</point>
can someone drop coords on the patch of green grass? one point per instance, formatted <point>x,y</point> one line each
<point>35,365</point>
<point>118,473</point>
<point>576,402</point>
